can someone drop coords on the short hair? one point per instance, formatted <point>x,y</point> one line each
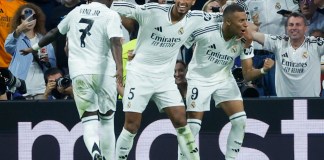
<point>231,9</point>
<point>182,62</point>
<point>316,30</point>
<point>297,14</point>
<point>50,72</point>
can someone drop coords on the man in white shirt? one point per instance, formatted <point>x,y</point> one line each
<point>264,14</point>
<point>95,63</point>
<point>163,30</point>
<point>297,58</point>
<point>209,73</point>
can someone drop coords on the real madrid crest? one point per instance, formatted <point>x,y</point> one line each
<point>129,104</point>
<point>181,31</point>
<point>193,104</point>
<point>305,55</point>
<point>234,49</point>
<point>278,6</point>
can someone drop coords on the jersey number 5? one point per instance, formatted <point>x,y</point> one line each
<point>85,31</point>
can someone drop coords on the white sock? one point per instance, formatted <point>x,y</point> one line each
<point>187,143</point>
<point>107,137</point>
<point>236,135</point>
<point>124,144</point>
<point>91,134</point>
<point>195,125</point>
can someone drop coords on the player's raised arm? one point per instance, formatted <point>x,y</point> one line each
<point>258,36</point>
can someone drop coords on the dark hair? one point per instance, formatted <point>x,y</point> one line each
<point>231,9</point>
<point>50,72</point>
<point>316,30</point>
<point>40,18</point>
<point>182,62</point>
<point>297,14</point>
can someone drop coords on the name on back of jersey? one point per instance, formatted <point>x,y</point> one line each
<point>89,12</point>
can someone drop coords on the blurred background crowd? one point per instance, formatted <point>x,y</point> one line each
<point>45,75</point>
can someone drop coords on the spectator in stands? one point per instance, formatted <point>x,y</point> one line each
<point>8,9</point>
<point>315,19</point>
<point>180,72</point>
<point>58,86</point>
<point>57,15</point>
<point>264,13</point>
<point>297,58</point>
<point>28,27</point>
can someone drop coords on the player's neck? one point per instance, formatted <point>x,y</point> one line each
<point>175,16</point>
<point>227,35</point>
<point>296,43</point>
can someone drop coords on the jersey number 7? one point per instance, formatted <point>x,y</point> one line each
<point>85,31</point>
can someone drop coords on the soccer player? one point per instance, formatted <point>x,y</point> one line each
<point>298,58</point>
<point>163,30</point>
<point>94,38</point>
<point>209,73</point>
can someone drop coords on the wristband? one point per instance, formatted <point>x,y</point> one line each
<point>35,47</point>
<point>262,71</point>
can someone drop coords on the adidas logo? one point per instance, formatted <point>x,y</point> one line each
<point>158,29</point>
<point>236,150</point>
<point>213,46</point>
<point>285,55</point>
<point>1,11</point>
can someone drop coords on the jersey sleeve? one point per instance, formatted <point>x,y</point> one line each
<point>114,26</point>
<point>320,46</point>
<point>247,52</point>
<point>130,10</point>
<point>271,42</point>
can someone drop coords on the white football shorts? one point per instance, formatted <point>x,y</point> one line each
<point>199,94</point>
<point>140,89</point>
<point>94,92</point>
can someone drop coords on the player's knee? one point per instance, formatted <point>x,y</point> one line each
<point>238,119</point>
<point>132,126</point>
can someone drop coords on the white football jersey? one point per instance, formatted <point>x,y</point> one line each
<point>214,57</point>
<point>297,70</point>
<point>265,11</point>
<point>159,40</point>
<point>89,28</point>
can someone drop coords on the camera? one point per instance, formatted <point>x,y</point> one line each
<point>215,9</point>
<point>63,82</point>
<point>7,79</point>
<point>245,89</point>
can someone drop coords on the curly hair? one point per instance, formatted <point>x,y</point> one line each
<point>40,18</point>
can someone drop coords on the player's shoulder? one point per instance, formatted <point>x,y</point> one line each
<point>157,6</point>
<point>199,15</point>
<point>278,37</point>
